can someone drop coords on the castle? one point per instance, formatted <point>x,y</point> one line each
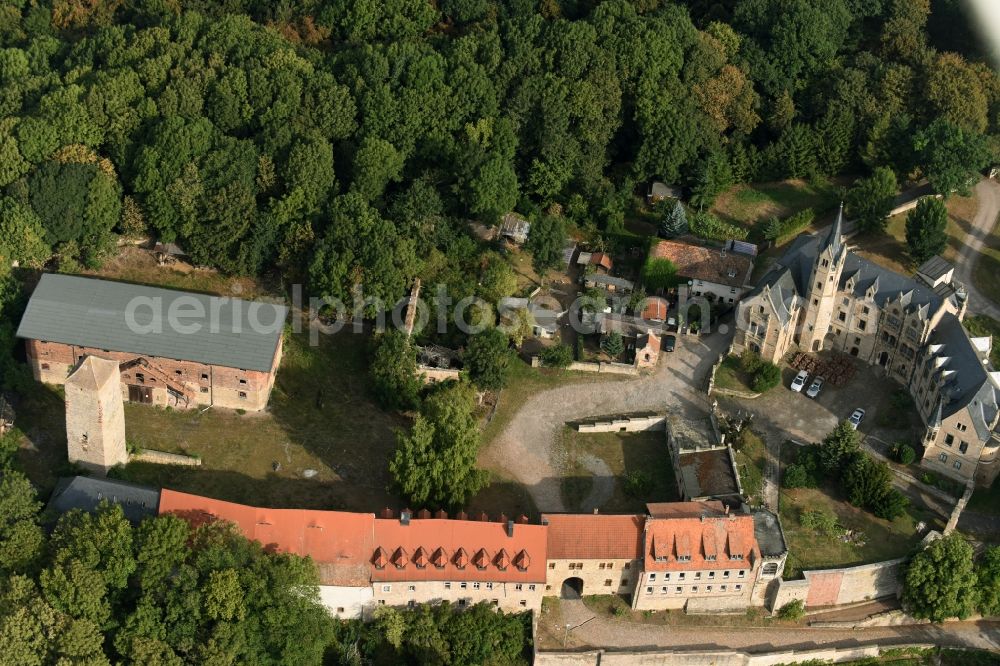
<point>822,296</point>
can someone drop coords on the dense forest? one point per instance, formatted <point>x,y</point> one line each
<point>346,141</point>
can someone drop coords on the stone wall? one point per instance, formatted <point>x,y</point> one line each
<point>624,423</point>
<point>164,458</point>
<point>612,368</point>
<point>711,658</point>
<point>429,375</point>
<point>834,587</point>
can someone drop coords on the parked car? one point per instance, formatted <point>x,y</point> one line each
<point>671,322</point>
<point>799,381</point>
<point>669,342</point>
<point>856,417</point>
<point>814,388</point>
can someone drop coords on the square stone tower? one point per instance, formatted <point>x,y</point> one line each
<point>95,418</point>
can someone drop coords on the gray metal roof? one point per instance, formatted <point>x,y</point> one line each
<point>120,317</point>
<point>767,530</point>
<point>86,493</point>
<point>598,278</point>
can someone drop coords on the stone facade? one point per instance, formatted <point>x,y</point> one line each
<point>725,589</point>
<point>607,576</point>
<point>95,418</point>
<point>507,596</point>
<point>161,381</point>
<point>820,296</point>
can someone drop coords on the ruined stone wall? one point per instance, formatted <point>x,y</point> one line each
<point>624,424</point>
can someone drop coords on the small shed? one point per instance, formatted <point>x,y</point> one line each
<point>660,191</point>
<point>514,228</point>
<point>601,261</point>
<point>166,253</point>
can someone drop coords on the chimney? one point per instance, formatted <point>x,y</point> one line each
<point>595,510</point>
<point>726,507</point>
<point>545,521</point>
<point>510,528</point>
<point>404,517</point>
<point>386,513</point>
<point>523,519</point>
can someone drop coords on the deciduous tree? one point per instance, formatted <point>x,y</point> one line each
<point>940,581</point>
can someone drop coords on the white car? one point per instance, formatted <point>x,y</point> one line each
<point>856,417</point>
<point>814,388</point>
<point>799,381</point>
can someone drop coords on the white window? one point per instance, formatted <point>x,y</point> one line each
<point>680,576</point>
<point>739,587</point>
<point>663,589</point>
<point>518,587</point>
<point>447,586</point>
<point>957,464</point>
<point>531,588</point>
<point>677,590</point>
<point>652,576</point>
<point>943,457</point>
<point>387,588</point>
<point>411,588</point>
<point>475,586</point>
<point>649,590</point>
<point>463,585</point>
<point>489,586</point>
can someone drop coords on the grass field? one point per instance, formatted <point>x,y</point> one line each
<point>623,453</point>
<point>888,249</point>
<point>751,458</point>
<point>883,539</point>
<point>747,205</point>
<point>986,272</point>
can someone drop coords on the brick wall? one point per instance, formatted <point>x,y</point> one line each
<point>220,386</point>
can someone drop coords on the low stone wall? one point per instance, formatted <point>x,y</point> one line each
<point>613,368</point>
<point>429,375</point>
<point>713,658</point>
<point>164,458</point>
<point>835,587</point>
<point>624,423</point>
<point>735,393</point>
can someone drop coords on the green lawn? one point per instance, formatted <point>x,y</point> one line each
<point>623,453</point>
<point>888,248</point>
<point>883,539</point>
<point>751,458</point>
<point>986,271</point>
<point>730,375</point>
<point>747,205</point>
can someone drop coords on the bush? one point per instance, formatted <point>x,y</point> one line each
<point>766,378</point>
<point>559,356</point>
<point>822,522</point>
<point>891,505</point>
<point>780,231</point>
<point>580,353</point>
<point>750,361</point>
<point>637,484</point>
<point>620,610</point>
<point>793,610</point>
<point>706,225</point>
<point>903,453</point>
<point>796,476</point>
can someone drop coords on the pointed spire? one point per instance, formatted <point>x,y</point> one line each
<point>834,240</point>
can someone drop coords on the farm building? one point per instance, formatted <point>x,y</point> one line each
<point>173,348</point>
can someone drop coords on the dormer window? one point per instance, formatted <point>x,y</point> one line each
<point>824,263</point>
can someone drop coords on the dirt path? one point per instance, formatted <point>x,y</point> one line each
<point>588,630</point>
<point>525,448</point>
<point>988,196</point>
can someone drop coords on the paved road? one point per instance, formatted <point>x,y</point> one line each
<point>588,630</point>
<point>988,196</point>
<point>525,448</point>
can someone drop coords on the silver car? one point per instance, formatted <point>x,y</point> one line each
<point>856,417</point>
<point>814,388</point>
<point>799,381</point>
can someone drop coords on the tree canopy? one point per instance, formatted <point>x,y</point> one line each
<point>940,581</point>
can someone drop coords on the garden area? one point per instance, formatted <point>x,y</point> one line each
<point>626,470</point>
<point>750,453</point>
<point>748,205</point>
<point>838,508</point>
<point>747,373</point>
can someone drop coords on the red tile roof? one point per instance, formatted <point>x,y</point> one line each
<point>594,536</point>
<point>601,259</point>
<point>655,309</point>
<point>338,541</point>
<point>703,263</point>
<point>680,538</point>
<point>462,550</point>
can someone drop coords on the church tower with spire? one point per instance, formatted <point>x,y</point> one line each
<point>823,286</point>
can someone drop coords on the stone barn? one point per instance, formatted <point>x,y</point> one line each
<point>173,348</point>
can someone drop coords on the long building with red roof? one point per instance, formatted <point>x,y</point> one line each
<point>678,555</point>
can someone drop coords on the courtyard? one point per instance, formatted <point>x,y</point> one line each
<point>616,472</point>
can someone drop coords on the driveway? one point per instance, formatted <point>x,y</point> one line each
<point>587,630</point>
<point>781,415</point>
<point>525,448</point>
<point>988,196</point>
